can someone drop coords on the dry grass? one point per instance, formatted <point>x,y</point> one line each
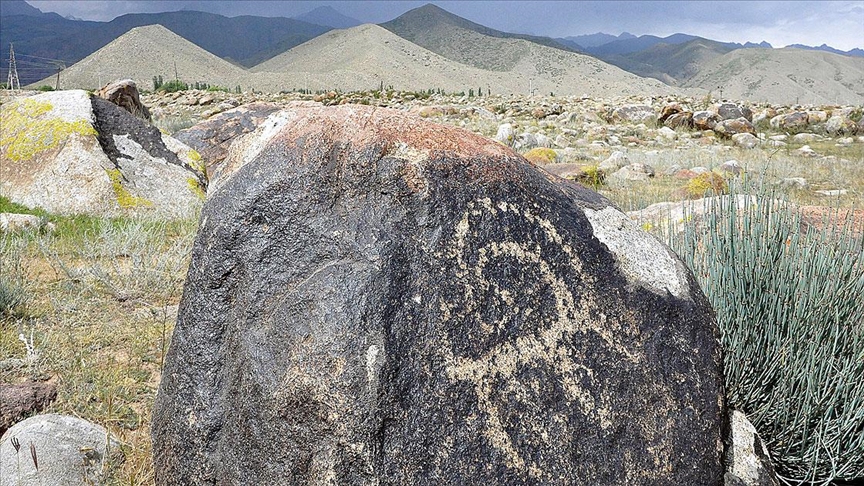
<point>100,308</point>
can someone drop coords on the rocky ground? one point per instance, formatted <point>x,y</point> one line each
<point>636,150</point>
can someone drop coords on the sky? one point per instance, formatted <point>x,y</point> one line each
<point>836,23</point>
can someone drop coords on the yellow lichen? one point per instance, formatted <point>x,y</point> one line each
<point>27,131</point>
<point>124,197</point>
<point>541,155</point>
<point>195,187</point>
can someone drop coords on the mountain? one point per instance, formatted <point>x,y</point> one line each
<point>18,7</point>
<point>367,56</point>
<point>635,44</point>
<point>785,75</point>
<point>244,40</point>
<point>826,48</point>
<point>598,39</point>
<point>145,52</point>
<point>329,17</point>
<point>461,40</point>
<point>671,63</point>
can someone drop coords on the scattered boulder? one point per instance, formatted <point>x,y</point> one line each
<point>525,140</point>
<point>795,121</point>
<point>732,111</point>
<point>748,462</point>
<point>124,93</point>
<point>806,151</point>
<point>680,120</point>
<point>506,134</point>
<point>745,140</point>
<point>635,114</point>
<point>816,116</point>
<point>667,133</point>
<point>376,299</point>
<point>67,153</point>
<point>838,126</point>
<point>805,137</point>
<point>634,172</point>
<point>728,128</point>
<point>705,120</point>
<point>212,138</point>
<point>18,400</point>
<point>669,110</point>
<point>615,161</point>
<point>731,167</point>
<point>67,450</point>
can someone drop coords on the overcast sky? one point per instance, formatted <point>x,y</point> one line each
<point>838,24</point>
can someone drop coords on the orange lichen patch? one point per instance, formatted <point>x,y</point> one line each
<point>362,126</point>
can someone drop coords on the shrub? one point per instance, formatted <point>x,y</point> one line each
<point>541,155</point>
<point>173,86</point>
<point>706,184</point>
<point>788,304</point>
<point>45,88</point>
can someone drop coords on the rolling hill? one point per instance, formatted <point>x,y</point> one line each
<point>244,40</point>
<point>671,63</point>
<point>365,56</point>
<point>145,52</point>
<point>784,76</point>
<point>463,41</point>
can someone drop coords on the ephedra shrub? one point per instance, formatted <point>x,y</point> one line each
<point>790,305</point>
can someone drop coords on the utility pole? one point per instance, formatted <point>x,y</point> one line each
<point>60,66</point>
<point>13,82</point>
<point>176,76</point>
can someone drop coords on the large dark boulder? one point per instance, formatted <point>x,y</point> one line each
<point>376,299</point>
<point>213,136</point>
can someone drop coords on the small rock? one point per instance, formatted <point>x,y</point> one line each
<point>506,134</point>
<point>731,167</point>
<point>615,161</point>
<point>635,114</point>
<point>13,222</point>
<point>667,133</point>
<point>816,116</point>
<point>806,151</point>
<point>124,93</point>
<point>793,183</point>
<point>634,172</point>
<point>837,125</point>
<point>805,137</point>
<point>728,128</point>
<point>833,192</point>
<point>747,460</point>
<point>700,170</point>
<point>794,121</point>
<point>69,450</point>
<point>731,111</point>
<point>680,120</point>
<point>22,399</point>
<point>705,120</point>
<point>745,140</point>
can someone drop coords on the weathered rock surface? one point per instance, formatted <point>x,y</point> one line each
<point>69,451</point>
<point>211,138</point>
<point>67,153</point>
<point>747,460</point>
<point>375,299</point>
<point>705,120</point>
<point>12,222</point>
<point>730,128</point>
<point>635,114</point>
<point>124,93</point>
<point>17,400</point>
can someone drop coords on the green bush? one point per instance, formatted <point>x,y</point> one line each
<point>45,88</point>
<point>789,305</point>
<point>173,86</point>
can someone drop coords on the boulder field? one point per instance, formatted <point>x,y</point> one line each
<point>376,299</point>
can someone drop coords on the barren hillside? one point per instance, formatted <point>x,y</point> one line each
<point>784,76</point>
<point>149,51</point>
<point>365,56</point>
